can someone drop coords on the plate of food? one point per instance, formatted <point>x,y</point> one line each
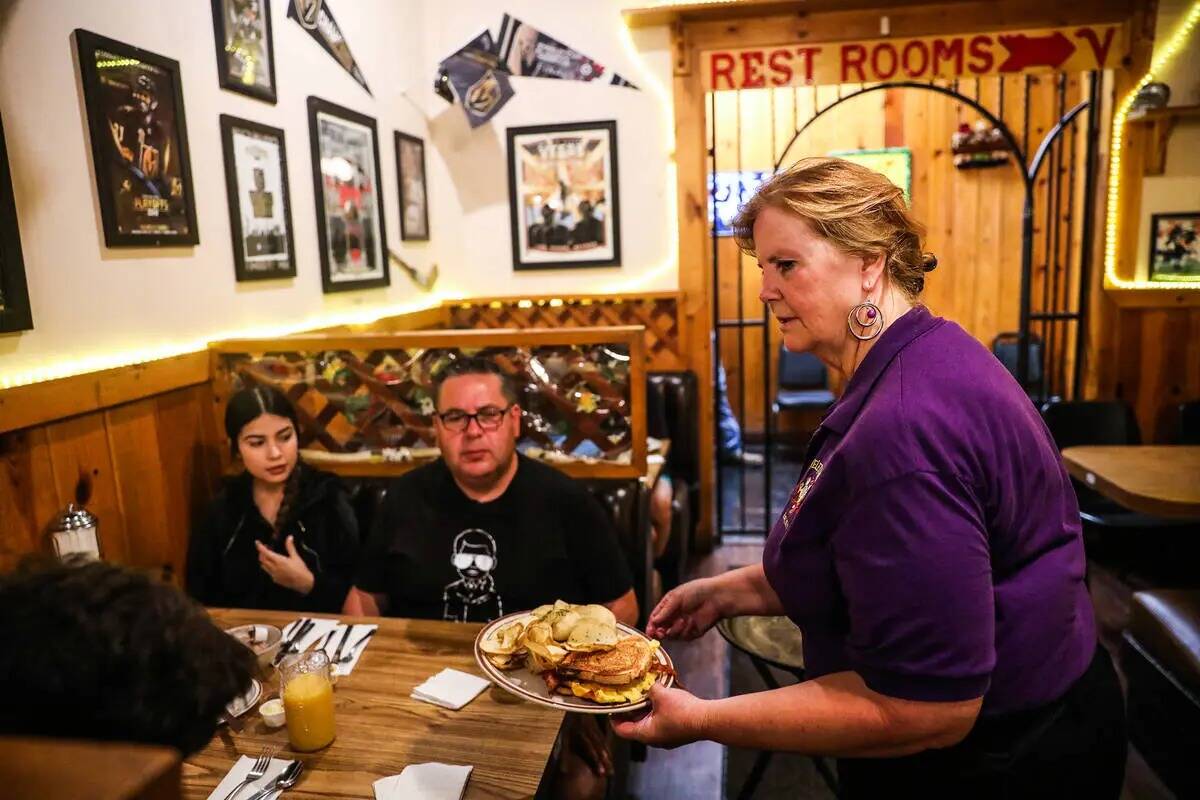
<point>246,701</point>
<point>574,658</point>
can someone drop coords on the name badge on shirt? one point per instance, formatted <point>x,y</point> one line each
<point>801,491</point>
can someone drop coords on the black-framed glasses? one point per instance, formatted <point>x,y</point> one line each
<point>488,417</point>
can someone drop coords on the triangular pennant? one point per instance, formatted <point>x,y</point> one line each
<point>477,79</point>
<point>316,18</point>
<point>527,52</point>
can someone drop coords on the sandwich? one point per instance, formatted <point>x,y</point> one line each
<point>620,674</point>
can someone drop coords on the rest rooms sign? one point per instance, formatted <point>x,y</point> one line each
<point>1073,49</point>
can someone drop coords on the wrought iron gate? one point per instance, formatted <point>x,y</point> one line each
<point>1051,336</point>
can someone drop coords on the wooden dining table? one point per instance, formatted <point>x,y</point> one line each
<point>1162,480</point>
<point>381,729</point>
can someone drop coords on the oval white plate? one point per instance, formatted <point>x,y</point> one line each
<point>528,685</point>
<point>241,705</point>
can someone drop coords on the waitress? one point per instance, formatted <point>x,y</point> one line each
<point>931,552</point>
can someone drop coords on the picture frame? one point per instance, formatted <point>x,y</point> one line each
<point>414,187</point>
<point>559,224</point>
<point>349,202</point>
<point>244,37</point>
<point>133,100</point>
<point>15,313</point>
<point>260,207</point>
<point>1174,246</point>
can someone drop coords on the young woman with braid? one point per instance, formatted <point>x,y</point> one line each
<point>280,535</point>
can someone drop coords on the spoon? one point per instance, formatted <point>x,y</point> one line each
<point>286,780</point>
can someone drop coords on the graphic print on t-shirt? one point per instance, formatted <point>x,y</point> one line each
<point>801,491</point>
<point>473,597</point>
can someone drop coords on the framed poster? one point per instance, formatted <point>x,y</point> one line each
<point>414,196</point>
<point>346,185</point>
<point>15,313</point>
<point>1175,246</point>
<point>245,47</point>
<point>134,103</point>
<point>894,163</point>
<point>260,208</point>
<point>563,195</point>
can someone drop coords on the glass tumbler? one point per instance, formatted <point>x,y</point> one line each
<point>307,692</point>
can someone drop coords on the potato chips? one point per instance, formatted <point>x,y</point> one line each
<point>550,632</point>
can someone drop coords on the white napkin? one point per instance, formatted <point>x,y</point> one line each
<point>238,772</point>
<point>450,689</point>
<point>425,782</point>
<point>355,635</point>
<point>319,629</point>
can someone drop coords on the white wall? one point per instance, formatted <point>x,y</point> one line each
<point>96,307</point>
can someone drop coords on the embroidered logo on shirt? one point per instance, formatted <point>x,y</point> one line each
<point>801,491</point>
<point>473,597</point>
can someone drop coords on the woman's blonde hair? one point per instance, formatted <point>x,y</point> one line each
<point>858,210</point>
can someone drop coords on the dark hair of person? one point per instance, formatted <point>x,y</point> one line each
<point>473,365</point>
<point>247,405</point>
<point>98,651</point>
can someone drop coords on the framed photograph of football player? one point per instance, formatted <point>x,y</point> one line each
<point>563,197</point>
<point>346,185</point>
<point>414,198</point>
<point>245,48</point>
<point>14,294</point>
<point>260,210</point>
<point>134,102</point>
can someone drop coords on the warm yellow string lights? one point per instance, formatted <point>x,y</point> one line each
<point>1166,55</point>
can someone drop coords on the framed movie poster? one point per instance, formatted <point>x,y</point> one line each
<point>563,198</point>
<point>414,197</point>
<point>245,48</point>
<point>1175,246</point>
<point>346,184</point>
<point>260,209</point>
<point>14,294</point>
<point>134,103</point>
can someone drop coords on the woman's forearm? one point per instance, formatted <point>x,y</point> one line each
<point>836,715</point>
<point>745,592</point>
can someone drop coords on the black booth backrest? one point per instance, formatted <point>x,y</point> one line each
<point>1091,422</point>
<point>671,399</point>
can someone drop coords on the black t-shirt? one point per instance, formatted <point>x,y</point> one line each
<point>437,554</point>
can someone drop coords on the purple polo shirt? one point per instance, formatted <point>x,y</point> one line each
<point>933,543</point>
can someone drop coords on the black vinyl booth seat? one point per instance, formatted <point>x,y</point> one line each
<point>671,413</point>
<point>1161,661</point>
<point>803,383</point>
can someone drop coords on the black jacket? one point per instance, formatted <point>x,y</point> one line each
<point>223,567</point>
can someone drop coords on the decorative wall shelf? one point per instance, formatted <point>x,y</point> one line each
<point>1159,122</point>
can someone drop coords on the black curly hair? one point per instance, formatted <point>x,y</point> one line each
<point>98,651</point>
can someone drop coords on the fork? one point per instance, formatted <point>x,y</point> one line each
<point>256,771</point>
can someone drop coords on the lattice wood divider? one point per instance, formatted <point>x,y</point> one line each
<point>658,314</point>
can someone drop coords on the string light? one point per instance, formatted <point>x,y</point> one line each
<point>1112,227</point>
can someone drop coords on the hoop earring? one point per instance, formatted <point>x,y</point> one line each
<point>867,318</point>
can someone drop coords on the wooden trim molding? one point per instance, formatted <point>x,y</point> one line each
<point>37,403</point>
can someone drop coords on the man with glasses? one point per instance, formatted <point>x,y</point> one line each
<point>483,530</point>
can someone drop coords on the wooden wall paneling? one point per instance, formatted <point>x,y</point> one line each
<point>80,452</point>
<point>28,496</point>
<point>141,481</point>
<point>189,451</point>
<point>694,268</point>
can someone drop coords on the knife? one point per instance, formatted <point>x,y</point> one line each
<point>302,631</point>
<point>338,653</point>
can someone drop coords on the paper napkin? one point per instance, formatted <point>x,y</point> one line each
<point>450,689</point>
<point>238,772</point>
<point>425,782</point>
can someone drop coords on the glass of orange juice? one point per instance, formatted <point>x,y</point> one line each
<point>304,683</point>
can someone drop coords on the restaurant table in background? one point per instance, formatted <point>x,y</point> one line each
<point>381,729</point>
<point>1162,480</point>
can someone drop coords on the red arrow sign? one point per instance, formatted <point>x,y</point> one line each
<point>1035,51</point>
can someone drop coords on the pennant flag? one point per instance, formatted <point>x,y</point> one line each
<point>316,18</point>
<point>527,52</point>
<point>475,77</point>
